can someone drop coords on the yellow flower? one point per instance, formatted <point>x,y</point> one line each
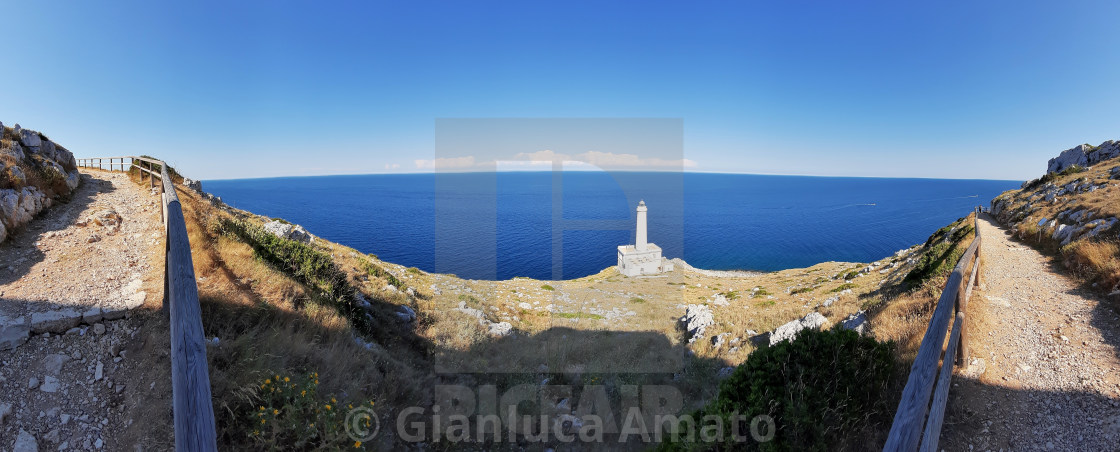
<point>303,392</point>
<point>267,381</point>
<point>262,407</point>
<point>286,379</point>
<point>333,400</point>
<point>278,378</point>
<point>275,411</point>
<point>357,444</point>
<point>328,407</point>
<point>262,421</point>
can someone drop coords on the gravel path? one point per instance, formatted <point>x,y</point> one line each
<point>75,372</point>
<point>1045,373</point>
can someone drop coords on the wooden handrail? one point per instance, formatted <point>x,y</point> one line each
<point>911,426</point>
<point>190,376</point>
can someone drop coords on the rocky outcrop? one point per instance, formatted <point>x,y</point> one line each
<point>789,331</point>
<point>33,172</point>
<point>289,231</point>
<point>697,318</point>
<point>1083,155</point>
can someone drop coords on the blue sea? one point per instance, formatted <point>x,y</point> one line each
<point>567,225</point>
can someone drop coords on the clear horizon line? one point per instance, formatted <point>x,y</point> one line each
<point>407,173</point>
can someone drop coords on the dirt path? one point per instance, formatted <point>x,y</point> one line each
<point>1045,373</point>
<point>77,369</point>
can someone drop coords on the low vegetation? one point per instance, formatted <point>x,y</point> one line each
<point>822,391</point>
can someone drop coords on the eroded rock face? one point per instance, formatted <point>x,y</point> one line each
<point>1083,155</point>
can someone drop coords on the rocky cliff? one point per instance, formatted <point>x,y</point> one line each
<point>1083,155</point>
<point>34,172</point>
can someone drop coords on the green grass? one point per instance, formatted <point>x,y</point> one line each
<point>637,300</point>
<point>414,270</point>
<point>762,292</point>
<point>547,287</point>
<point>731,294</point>
<point>843,287</point>
<point>801,290</point>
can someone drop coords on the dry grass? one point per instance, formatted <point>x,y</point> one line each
<point>1095,260</point>
<point>267,323</point>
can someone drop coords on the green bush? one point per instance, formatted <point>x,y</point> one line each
<point>547,287</point>
<point>822,390</point>
<point>843,287</point>
<point>287,413</point>
<point>373,269</point>
<point>801,290</point>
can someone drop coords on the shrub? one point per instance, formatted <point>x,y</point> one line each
<point>800,290</point>
<point>547,287</point>
<point>843,287</point>
<point>414,270</point>
<point>286,413</point>
<point>762,292</point>
<point>375,270</point>
<point>731,294</point>
<point>822,390</point>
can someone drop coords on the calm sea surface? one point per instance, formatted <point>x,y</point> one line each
<point>501,225</point>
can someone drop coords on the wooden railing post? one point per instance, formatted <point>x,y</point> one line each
<point>190,379</point>
<point>912,427</point>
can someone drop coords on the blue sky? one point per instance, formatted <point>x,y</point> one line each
<point>986,89</point>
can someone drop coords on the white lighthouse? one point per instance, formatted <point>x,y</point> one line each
<point>642,258</point>
<point>640,236</point>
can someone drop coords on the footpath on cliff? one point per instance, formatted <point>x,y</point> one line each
<point>83,360</point>
<point>1044,372</point>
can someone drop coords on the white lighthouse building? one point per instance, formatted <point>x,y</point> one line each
<point>642,258</point>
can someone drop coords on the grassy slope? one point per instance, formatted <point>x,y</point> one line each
<point>270,323</point>
<point>1095,260</point>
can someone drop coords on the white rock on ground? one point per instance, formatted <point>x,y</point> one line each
<point>856,322</point>
<point>789,331</point>
<point>697,318</point>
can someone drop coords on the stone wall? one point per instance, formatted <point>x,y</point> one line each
<point>34,172</point>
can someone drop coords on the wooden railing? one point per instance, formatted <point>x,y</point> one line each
<point>912,427</point>
<point>190,377</point>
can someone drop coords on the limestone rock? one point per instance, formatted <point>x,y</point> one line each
<point>56,321</point>
<point>288,231</point>
<point>1077,155</point>
<point>52,364</point>
<point>30,138</point>
<point>406,314</point>
<point>500,329</point>
<point>856,322</point>
<point>697,318</point>
<point>25,442</point>
<point>192,184</point>
<point>789,331</point>
<point>13,331</point>
<point>50,384</point>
